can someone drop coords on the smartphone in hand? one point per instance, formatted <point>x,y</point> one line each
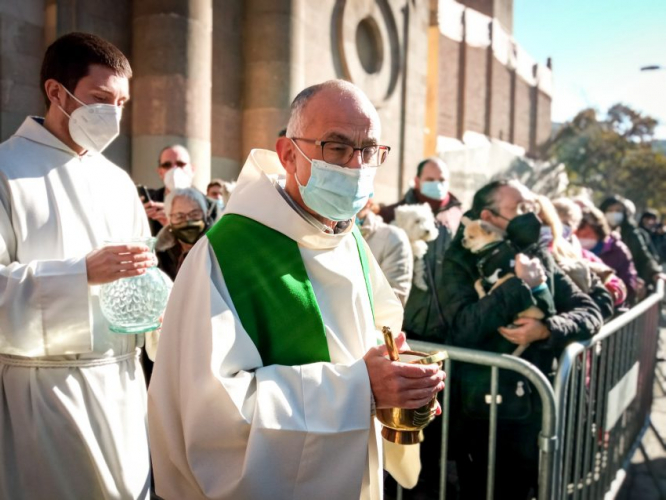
<point>144,195</point>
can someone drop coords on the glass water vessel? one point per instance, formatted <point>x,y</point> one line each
<point>134,305</point>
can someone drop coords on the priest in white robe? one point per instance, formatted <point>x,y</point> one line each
<point>244,402</point>
<point>72,394</point>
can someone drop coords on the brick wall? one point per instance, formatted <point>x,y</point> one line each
<point>501,9</point>
<point>449,74</point>
<point>475,89</point>
<point>498,101</point>
<point>500,114</point>
<point>415,94</point>
<point>522,114</point>
<point>543,121</point>
<point>484,6</point>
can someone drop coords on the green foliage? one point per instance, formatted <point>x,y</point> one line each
<point>613,155</point>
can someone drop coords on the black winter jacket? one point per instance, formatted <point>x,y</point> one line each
<point>423,319</point>
<point>645,256</point>
<point>473,322</point>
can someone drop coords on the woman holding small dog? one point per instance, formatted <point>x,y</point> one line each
<point>491,323</point>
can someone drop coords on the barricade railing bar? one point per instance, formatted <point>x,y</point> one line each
<point>497,362</point>
<point>603,391</point>
<point>592,419</point>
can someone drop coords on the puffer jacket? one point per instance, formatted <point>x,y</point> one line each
<point>647,263</point>
<point>473,323</point>
<point>393,252</point>
<point>615,254</point>
<point>423,311</point>
<point>423,318</point>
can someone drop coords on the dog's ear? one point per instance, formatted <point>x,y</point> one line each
<point>465,220</point>
<point>486,226</point>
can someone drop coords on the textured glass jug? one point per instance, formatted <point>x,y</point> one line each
<point>134,305</point>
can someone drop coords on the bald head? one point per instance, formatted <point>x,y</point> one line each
<point>339,115</point>
<point>333,93</point>
<point>433,163</point>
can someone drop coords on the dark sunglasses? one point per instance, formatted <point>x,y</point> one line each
<point>169,164</point>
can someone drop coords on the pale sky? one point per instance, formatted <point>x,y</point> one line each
<point>598,48</point>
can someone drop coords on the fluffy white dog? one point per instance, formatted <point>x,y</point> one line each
<point>419,224</point>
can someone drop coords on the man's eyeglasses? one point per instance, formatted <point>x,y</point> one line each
<point>180,217</point>
<point>525,207</point>
<point>339,153</point>
<point>169,164</point>
<point>522,208</point>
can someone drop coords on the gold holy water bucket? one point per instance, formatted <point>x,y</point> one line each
<point>405,426</point>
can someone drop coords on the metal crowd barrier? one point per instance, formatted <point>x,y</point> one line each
<point>596,415</point>
<point>496,362</point>
<point>603,392</point>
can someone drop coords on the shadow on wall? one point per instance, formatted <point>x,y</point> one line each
<point>479,160</point>
<point>542,177</point>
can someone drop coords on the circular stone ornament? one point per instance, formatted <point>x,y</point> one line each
<point>368,47</point>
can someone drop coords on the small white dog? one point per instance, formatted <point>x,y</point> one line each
<point>419,224</point>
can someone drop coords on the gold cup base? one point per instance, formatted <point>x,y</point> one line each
<point>402,437</point>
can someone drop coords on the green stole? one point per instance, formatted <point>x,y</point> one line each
<point>270,289</point>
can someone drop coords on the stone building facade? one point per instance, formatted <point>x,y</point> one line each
<point>488,100</point>
<point>219,75</point>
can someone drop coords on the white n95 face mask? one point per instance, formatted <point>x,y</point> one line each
<point>179,178</point>
<point>588,243</point>
<point>94,126</point>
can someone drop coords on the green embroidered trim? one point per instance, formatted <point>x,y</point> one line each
<point>270,289</point>
<point>364,264</point>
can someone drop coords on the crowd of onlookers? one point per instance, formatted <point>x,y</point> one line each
<point>589,243</point>
<point>515,273</point>
<point>576,264</point>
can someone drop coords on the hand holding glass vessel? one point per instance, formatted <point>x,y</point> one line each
<point>134,305</point>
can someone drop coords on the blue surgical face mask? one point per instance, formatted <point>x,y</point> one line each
<point>435,190</point>
<point>545,236</point>
<point>614,218</point>
<point>336,193</point>
<point>566,232</point>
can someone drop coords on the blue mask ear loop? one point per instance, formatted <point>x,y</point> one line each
<point>304,156</point>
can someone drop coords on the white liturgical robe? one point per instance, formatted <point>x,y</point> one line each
<point>72,394</point>
<point>222,425</point>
